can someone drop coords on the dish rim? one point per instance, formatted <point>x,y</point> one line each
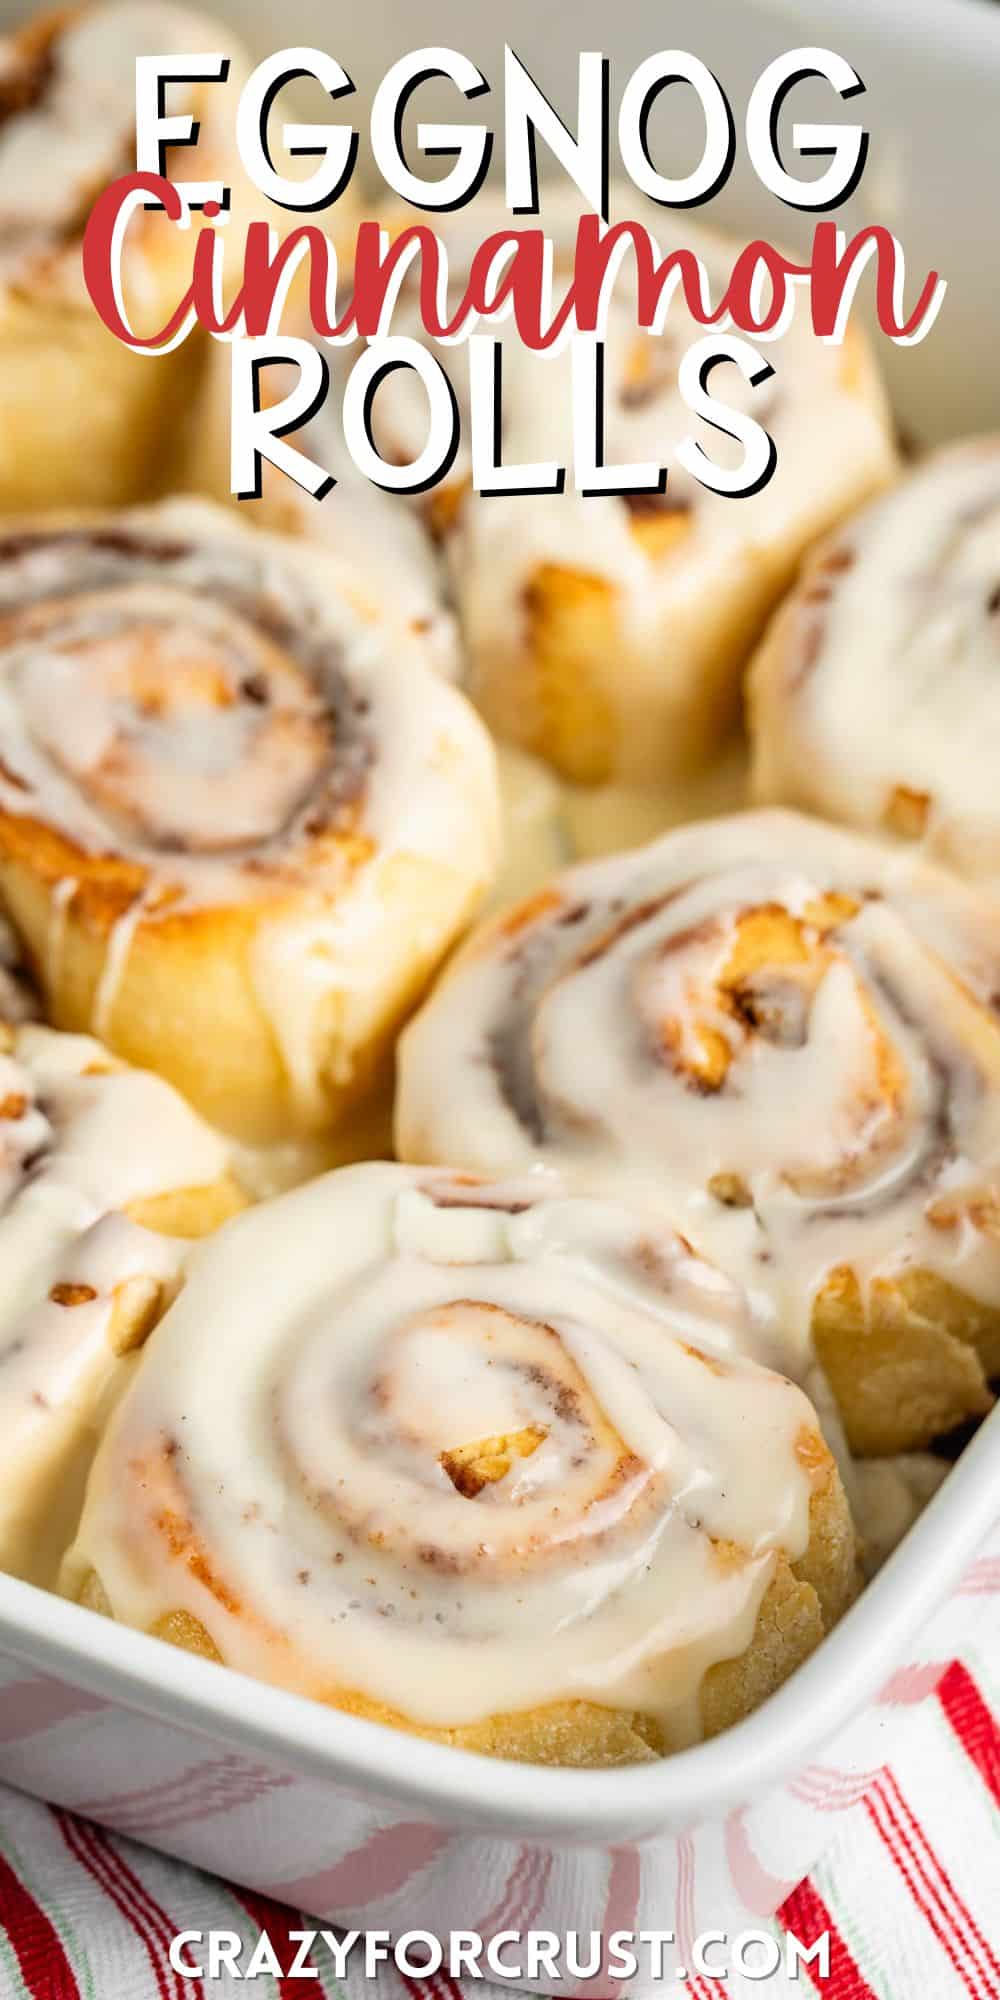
<point>463,1788</point>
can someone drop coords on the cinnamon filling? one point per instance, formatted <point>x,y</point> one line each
<point>212,719</point>
<point>709,998</point>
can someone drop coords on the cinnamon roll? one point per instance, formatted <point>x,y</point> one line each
<point>83,419</point>
<point>102,1169</point>
<point>269,820</point>
<point>389,555</point>
<point>785,1036</point>
<point>482,1461</point>
<point>609,634</point>
<point>372,534</point>
<point>874,697</point>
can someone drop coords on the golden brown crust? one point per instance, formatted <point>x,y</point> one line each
<point>59,357</point>
<point>190,1212</point>
<point>802,1602</point>
<point>190,1008</point>
<point>907,1365</point>
<point>569,625</point>
<point>561,686</point>
<point>56,355</point>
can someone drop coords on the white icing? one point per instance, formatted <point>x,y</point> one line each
<point>238,702</point>
<point>855,1095</point>
<point>364,1326</point>
<point>882,673</point>
<point>80,1142</point>
<point>57,153</point>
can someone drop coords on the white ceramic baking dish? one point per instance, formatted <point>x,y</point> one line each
<point>354,1822</point>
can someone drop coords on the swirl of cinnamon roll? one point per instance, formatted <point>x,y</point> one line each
<point>385,545</point>
<point>381,541</point>
<point>788,1037</point>
<point>102,1169</point>
<point>483,1461</point>
<point>609,633</point>
<point>874,697</point>
<point>82,418</point>
<point>267,820</point>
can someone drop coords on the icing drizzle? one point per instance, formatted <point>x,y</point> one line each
<point>500,1437</point>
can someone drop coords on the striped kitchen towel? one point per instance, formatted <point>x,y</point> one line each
<point>908,1888</point>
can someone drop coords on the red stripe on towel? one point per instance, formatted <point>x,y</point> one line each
<point>36,1943</point>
